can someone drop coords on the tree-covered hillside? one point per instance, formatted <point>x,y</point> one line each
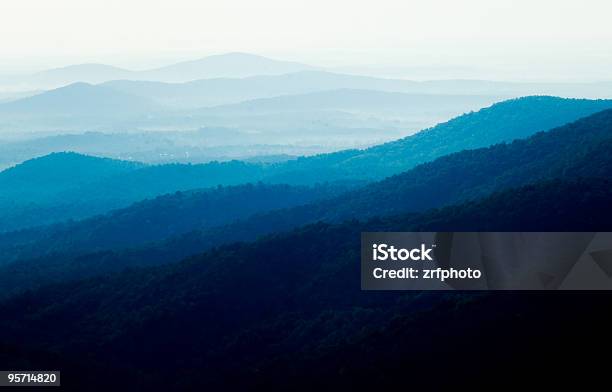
<point>502,122</point>
<point>161,217</point>
<point>66,186</point>
<point>577,150</point>
<point>42,192</point>
<point>288,308</point>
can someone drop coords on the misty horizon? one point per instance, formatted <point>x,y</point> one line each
<point>424,69</point>
<point>476,39</point>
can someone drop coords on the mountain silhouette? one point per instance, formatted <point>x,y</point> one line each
<point>224,65</point>
<point>87,73</point>
<point>58,172</point>
<point>79,100</point>
<point>502,122</point>
<point>360,101</point>
<point>288,305</point>
<point>218,91</point>
<point>574,151</point>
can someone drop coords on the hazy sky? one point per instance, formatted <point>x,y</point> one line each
<point>558,38</point>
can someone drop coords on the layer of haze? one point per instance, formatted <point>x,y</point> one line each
<point>518,39</point>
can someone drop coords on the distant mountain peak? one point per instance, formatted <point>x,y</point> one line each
<point>63,168</point>
<point>88,72</point>
<point>79,99</point>
<point>237,55</point>
<point>65,157</point>
<point>233,64</point>
<point>76,86</point>
<point>85,66</point>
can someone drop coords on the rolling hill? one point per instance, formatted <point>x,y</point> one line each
<point>574,151</point>
<point>219,91</point>
<point>75,186</point>
<point>62,76</point>
<point>343,114</point>
<point>226,65</point>
<point>180,212</point>
<point>309,316</point>
<point>233,65</point>
<point>366,102</point>
<point>501,122</point>
<point>86,73</point>
<point>37,179</point>
<point>79,100</point>
<point>252,73</point>
<point>578,149</point>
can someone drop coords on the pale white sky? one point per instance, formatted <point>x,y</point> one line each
<point>553,36</point>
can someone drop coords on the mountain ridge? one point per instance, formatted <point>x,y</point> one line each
<point>312,306</point>
<point>576,150</point>
<point>234,64</point>
<point>502,122</point>
<point>80,99</point>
